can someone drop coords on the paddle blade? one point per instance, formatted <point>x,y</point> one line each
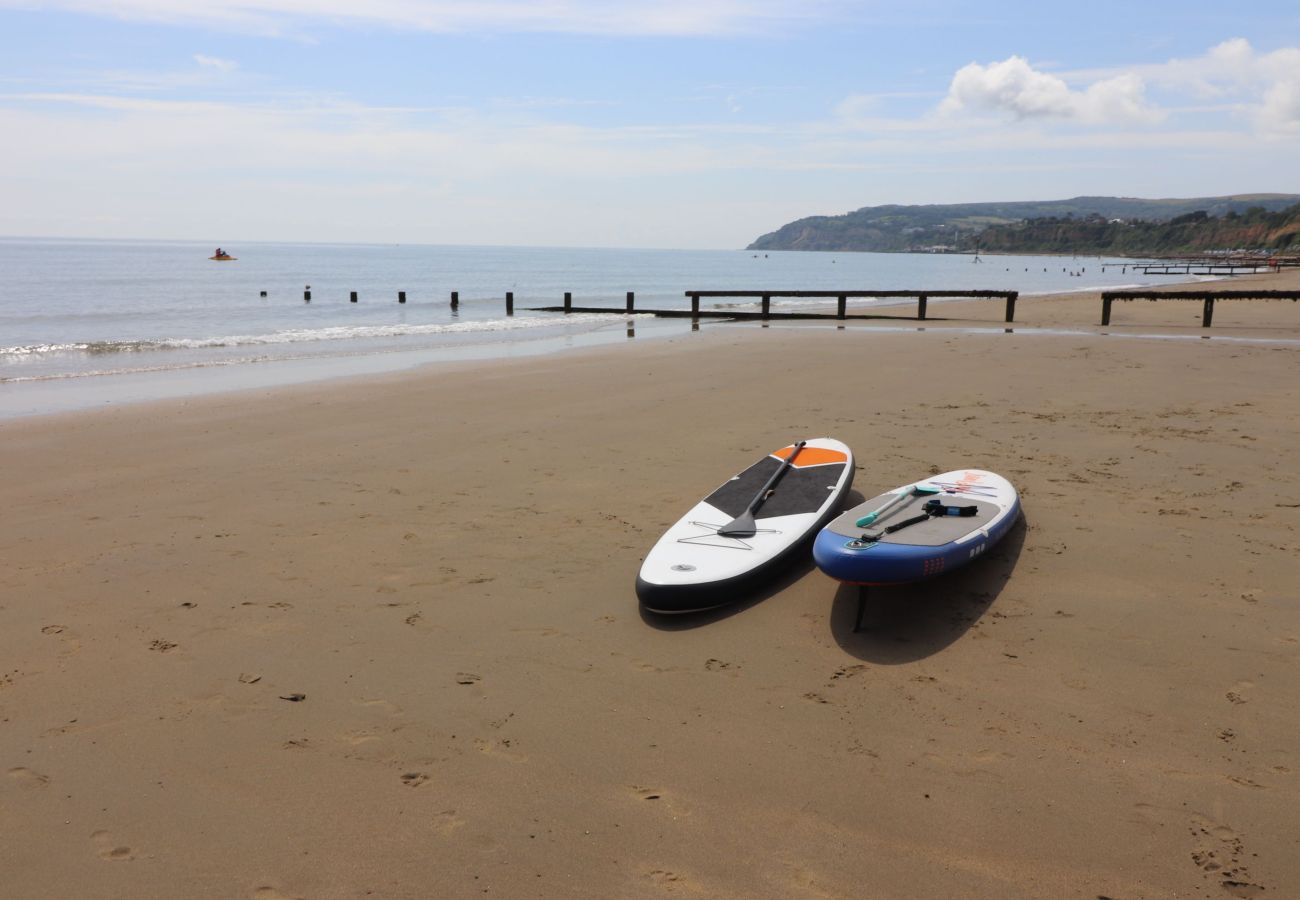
<point>742,526</point>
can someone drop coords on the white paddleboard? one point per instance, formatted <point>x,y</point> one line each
<point>700,562</point>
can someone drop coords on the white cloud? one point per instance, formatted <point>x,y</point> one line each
<point>1014,86</point>
<point>212,62</point>
<point>1261,87</point>
<point>655,17</point>
<point>1280,110</point>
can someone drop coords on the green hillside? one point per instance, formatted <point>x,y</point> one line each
<point>961,226</point>
<point>1195,232</point>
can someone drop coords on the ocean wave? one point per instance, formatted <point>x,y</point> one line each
<point>298,336</point>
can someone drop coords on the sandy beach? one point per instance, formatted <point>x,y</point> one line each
<point>379,638</point>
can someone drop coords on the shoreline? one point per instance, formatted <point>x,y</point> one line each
<point>441,562</point>
<point>1042,311</point>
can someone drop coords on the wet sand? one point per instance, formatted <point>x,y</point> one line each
<point>380,638</point>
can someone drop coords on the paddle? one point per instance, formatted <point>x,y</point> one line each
<point>743,525</point>
<point>914,491</point>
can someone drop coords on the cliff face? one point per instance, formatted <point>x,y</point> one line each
<point>1256,229</point>
<point>964,226</point>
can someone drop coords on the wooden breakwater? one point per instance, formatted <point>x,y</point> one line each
<point>1207,298</point>
<point>1221,264</point>
<point>765,304</point>
<point>765,312</point>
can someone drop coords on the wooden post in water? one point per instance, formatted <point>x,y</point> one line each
<point>1011,305</point>
<point>401,296</point>
<point>631,300</point>
<point>306,295</point>
<point>1207,314</point>
<point>568,301</point>
<point>1105,309</point>
<point>263,293</point>
<point>510,303</point>
<point>353,297</point>
<point>920,306</point>
<point>695,306</point>
<point>455,299</point>
<point>767,305</point>
<point>841,306</point>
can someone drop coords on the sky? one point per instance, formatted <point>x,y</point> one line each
<point>675,124</point>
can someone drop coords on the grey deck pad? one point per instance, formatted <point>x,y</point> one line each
<point>932,533</point>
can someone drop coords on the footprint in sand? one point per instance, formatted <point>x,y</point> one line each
<point>502,748</point>
<point>270,893</point>
<point>1218,853</point>
<point>357,738</point>
<point>70,643</point>
<point>78,727</point>
<point>417,621</point>
<point>446,822</point>
<point>386,706</point>
<point>659,799</point>
<point>671,882</point>
<point>28,778</point>
<point>414,779</point>
<point>846,672</point>
<point>1238,693</point>
<point>106,848</point>
<point>642,666</point>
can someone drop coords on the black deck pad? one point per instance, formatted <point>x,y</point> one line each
<point>798,491</point>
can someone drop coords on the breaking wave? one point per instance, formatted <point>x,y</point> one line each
<point>296,336</point>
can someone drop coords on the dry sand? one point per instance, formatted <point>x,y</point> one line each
<point>441,566</point>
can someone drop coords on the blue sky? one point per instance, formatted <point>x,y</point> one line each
<point>635,124</point>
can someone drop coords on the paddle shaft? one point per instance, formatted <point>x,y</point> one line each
<point>744,523</point>
<point>776,476</point>
<point>912,491</point>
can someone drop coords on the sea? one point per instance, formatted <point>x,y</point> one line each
<point>90,323</point>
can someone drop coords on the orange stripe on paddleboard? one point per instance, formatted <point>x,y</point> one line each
<point>812,456</point>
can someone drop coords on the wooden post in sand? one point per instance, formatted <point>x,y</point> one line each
<point>353,297</point>
<point>1207,314</point>
<point>455,299</point>
<point>1011,305</point>
<point>631,301</point>
<point>568,301</point>
<point>1105,309</point>
<point>841,306</point>
<point>920,306</point>
<point>695,306</point>
<point>767,306</point>
<point>510,303</point>
<point>401,296</point>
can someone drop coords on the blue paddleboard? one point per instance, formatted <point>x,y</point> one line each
<point>918,530</point>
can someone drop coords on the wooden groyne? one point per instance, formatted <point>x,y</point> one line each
<point>765,303</point>
<point>698,311</point>
<point>1206,297</point>
<point>1228,264</point>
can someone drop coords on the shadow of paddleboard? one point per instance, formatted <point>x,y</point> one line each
<point>909,622</point>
